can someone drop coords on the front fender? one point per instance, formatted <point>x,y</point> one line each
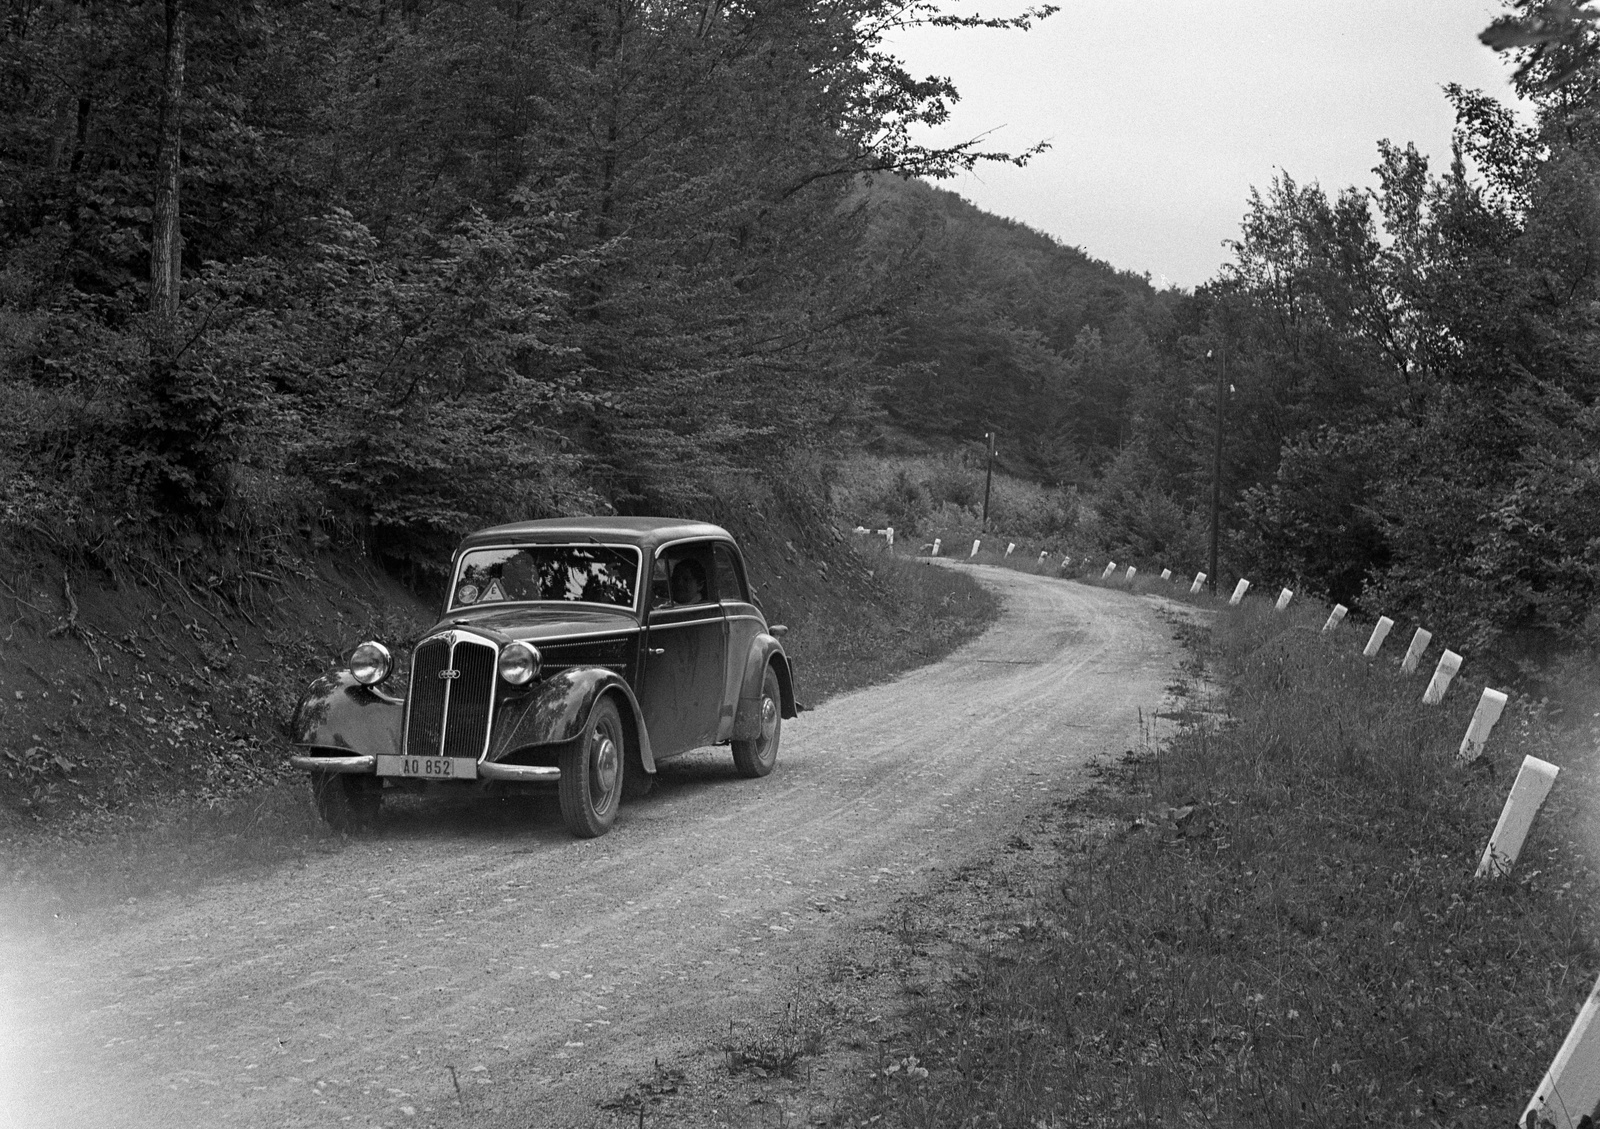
<point>337,712</point>
<point>557,708</point>
<point>764,651</point>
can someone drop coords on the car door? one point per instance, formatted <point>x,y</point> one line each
<point>685,651</point>
<point>744,622</point>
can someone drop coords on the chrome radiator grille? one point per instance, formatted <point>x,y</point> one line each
<point>452,694</point>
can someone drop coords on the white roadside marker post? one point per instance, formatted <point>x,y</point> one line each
<point>889,533</point>
<point>1533,783</point>
<point>974,552</point>
<point>1380,632</point>
<point>1439,684</point>
<point>1009,547</point>
<point>1111,566</point>
<point>1239,590</point>
<point>1132,572</point>
<point>1570,1091</point>
<point>1335,617</point>
<point>1043,553</point>
<point>1199,579</point>
<point>1490,707</point>
<point>1419,643</point>
<point>936,546</point>
<point>1166,574</point>
<point>1283,600</point>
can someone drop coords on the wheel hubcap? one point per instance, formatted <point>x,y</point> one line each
<point>605,766</point>
<point>769,723</point>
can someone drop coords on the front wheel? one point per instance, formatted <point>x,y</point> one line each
<point>346,802</point>
<point>592,768</point>
<point>756,757</point>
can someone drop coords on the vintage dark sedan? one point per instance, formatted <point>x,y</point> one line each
<point>575,654</point>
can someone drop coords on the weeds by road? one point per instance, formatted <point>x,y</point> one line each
<point>924,614</point>
<point>1284,928</point>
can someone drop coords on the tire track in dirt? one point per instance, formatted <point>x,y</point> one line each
<point>474,965</point>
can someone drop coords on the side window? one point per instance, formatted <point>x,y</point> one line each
<point>687,570</point>
<point>730,578</point>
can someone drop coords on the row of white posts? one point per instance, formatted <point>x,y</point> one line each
<point>1569,1094</point>
<point>1533,781</point>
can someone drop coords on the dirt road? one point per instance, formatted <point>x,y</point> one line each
<point>476,966</point>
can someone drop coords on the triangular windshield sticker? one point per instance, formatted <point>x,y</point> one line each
<point>493,592</point>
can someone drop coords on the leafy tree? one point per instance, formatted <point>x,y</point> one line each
<point>273,266</point>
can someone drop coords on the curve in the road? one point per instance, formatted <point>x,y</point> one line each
<point>477,961</point>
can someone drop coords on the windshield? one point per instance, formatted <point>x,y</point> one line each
<point>587,574</point>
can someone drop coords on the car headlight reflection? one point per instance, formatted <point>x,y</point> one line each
<point>519,663</point>
<point>370,663</point>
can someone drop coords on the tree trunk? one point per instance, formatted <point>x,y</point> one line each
<point>82,135</point>
<point>166,237</point>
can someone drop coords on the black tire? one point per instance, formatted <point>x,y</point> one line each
<point>636,782</point>
<point>756,757</point>
<point>346,802</point>
<point>592,770</point>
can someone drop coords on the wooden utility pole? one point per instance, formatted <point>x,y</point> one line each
<point>166,234</point>
<point>988,478</point>
<point>1216,464</point>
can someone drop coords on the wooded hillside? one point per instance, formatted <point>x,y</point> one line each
<point>1010,330</point>
<point>282,272</point>
<point>1408,376</point>
<point>387,271</point>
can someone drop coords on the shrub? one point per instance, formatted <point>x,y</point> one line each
<point>942,496</point>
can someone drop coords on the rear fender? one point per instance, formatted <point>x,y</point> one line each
<point>337,712</point>
<point>764,651</point>
<point>557,709</point>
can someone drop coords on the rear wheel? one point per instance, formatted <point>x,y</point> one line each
<point>592,770</point>
<point>757,756</point>
<point>346,802</point>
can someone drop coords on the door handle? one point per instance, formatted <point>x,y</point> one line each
<point>658,650</point>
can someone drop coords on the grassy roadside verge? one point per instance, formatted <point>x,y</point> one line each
<point>1283,929</point>
<point>916,616</point>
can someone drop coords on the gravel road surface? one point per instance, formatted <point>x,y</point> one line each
<point>473,965</point>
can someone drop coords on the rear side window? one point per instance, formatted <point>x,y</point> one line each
<point>730,577</point>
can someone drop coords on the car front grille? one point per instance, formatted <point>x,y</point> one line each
<point>449,712</point>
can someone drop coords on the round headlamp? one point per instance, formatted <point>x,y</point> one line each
<point>370,663</point>
<point>519,663</point>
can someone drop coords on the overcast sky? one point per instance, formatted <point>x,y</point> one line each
<point>1163,114</point>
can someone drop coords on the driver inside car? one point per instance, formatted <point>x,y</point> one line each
<point>688,582</point>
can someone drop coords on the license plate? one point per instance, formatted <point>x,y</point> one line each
<point>429,768</point>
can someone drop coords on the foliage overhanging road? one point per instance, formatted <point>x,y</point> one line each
<point>482,948</point>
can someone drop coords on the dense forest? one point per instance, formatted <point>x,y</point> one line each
<point>388,271</point>
<point>1408,376</point>
<point>279,272</point>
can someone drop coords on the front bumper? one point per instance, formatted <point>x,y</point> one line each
<point>336,764</point>
<point>525,773</point>
<point>519,773</point>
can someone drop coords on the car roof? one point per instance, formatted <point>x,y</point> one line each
<point>646,532</point>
